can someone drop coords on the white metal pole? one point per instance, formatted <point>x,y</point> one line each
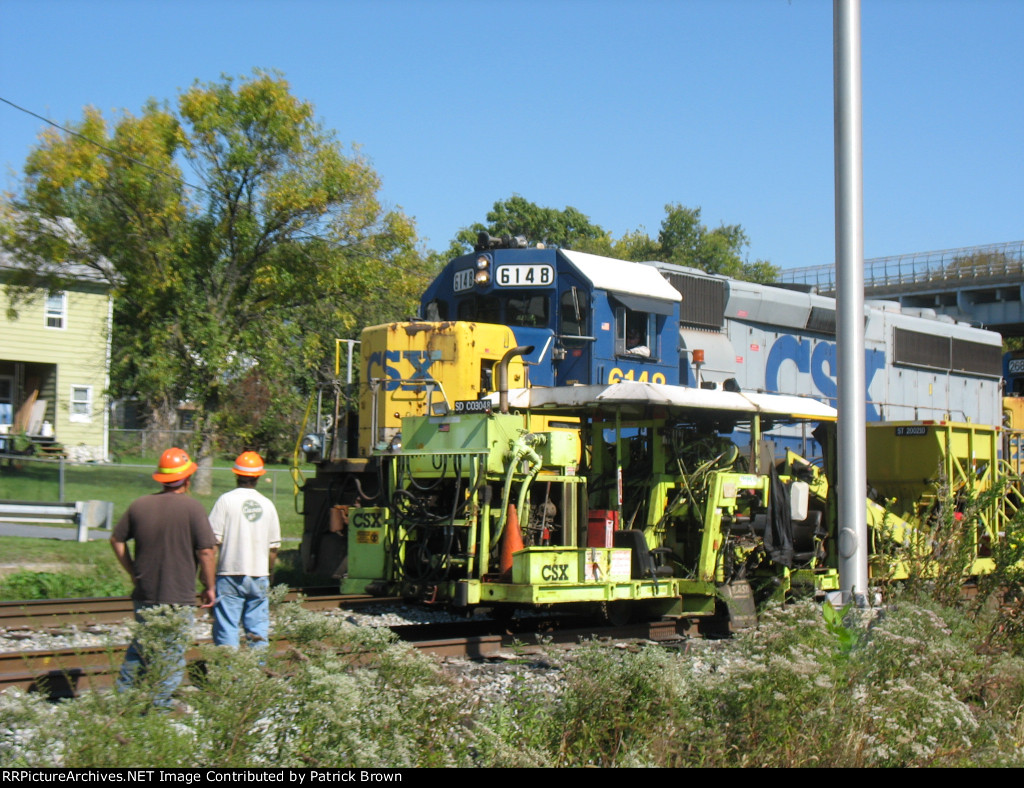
<point>851,452</point>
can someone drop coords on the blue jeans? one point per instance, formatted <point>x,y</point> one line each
<point>162,655</point>
<point>241,600</point>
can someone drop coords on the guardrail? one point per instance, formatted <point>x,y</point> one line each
<point>84,514</point>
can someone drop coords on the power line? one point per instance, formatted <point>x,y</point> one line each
<point>120,154</point>
<point>109,150</point>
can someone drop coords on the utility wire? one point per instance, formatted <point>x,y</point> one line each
<point>256,213</point>
<point>101,146</point>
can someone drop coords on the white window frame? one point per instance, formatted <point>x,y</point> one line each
<point>9,399</point>
<point>81,418</point>
<point>623,316</point>
<point>62,316</point>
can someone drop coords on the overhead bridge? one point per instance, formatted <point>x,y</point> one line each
<point>978,284</point>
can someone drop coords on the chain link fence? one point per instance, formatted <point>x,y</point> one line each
<point>144,443</point>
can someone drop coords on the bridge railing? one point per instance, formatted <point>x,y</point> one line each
<point>993,260</point>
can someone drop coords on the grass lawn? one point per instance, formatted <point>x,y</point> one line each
<point>122,484</point>
<point>52,569</point>
<point>95,555</point>
<point>92,567</point>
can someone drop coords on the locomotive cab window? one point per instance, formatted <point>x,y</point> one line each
<point>572,314</point>
<point>480,309</point>
<point>436,311</point>
<point>633,333</point>
<point>528,310</point>
<point>486,376</point>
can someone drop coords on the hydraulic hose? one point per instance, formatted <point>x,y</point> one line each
<point>521,449</point>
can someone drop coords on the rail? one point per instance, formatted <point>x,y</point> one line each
<point>64,673</point>
<point>949,265</point>
<point>61,613</point>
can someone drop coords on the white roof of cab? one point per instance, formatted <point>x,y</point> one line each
<point>622,276</point>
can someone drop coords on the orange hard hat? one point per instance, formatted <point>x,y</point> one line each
<point>174,465</point>
<point>249,463</point>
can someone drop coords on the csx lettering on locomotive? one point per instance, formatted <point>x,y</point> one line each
<point>397,366</point>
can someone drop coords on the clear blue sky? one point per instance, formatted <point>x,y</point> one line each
<point>615,107</point>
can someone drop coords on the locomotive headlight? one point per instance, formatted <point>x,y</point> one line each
<point>483,262</point>
<point>312,446</point>
<point>482,278</point>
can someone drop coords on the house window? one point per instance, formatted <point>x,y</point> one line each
<point>6,399</point>
<point>81,403</point>
<point>56,309</point>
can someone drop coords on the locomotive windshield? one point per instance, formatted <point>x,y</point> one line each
<point>527,309</point>
<point>573,314</point>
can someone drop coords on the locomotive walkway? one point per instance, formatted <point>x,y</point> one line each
<point>979,284</point>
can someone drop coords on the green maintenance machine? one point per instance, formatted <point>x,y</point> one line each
<point>630,498</point>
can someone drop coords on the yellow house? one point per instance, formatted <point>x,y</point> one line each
<point>55,364</point>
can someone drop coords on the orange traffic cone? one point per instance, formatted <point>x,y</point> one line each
<point>511,542</point>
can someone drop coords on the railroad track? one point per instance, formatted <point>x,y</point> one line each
<point>63,673</point>
<point>61,613</point>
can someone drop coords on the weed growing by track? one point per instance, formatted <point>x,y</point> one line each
<point>341,696</point>
<point>933,680</point>
<point>913,691</point>
<point>57,585</point>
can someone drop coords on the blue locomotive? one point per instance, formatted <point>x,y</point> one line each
<point>597,320</point>
<point>590,319</point>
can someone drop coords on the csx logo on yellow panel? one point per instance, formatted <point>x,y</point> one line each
<point>396,366</point>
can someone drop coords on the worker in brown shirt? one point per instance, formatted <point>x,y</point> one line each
<point>172,539</point>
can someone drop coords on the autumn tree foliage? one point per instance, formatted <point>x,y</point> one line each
<point>238,234</point>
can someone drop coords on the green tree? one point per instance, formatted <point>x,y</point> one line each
<point>235,276</point>
<point>636,245</point>
<point>567,228</point>
<point>683,239</point>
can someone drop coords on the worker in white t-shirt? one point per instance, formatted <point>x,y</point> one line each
<point>248,531</point>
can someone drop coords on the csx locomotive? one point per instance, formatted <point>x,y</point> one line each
<point>567,429</point>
